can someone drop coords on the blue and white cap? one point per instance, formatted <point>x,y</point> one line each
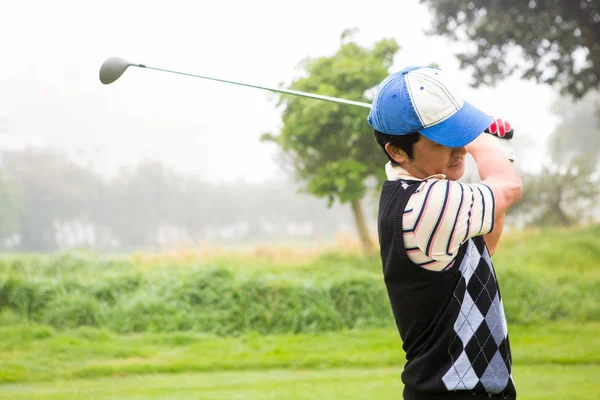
<point>424,100</point>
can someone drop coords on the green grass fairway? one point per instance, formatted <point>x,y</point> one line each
<point>37,353</point>
<point>554,361</point>
<point>534,383</point>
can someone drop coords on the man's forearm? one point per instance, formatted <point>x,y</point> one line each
<point>497,172</point>
<point>492,238</point>
<point>490,160</point>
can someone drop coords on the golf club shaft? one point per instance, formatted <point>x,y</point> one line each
<point>278,90</point>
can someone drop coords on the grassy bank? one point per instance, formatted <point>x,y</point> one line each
<point>545,276</point>
<point>273,323</point>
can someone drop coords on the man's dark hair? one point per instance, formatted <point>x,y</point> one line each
<point>404,142</point>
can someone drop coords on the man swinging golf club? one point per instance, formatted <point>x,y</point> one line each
<point>437,235</point>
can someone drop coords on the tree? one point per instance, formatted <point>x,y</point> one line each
<point>560,195</point>
<point>578,134</point>
<point>9,211</point>
<point>329,145</point>
<point>50,190</point>
<point>143,200</point>
<point>552,41</point>
<point>568,186</point>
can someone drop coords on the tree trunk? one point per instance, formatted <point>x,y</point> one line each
<point>361,225</point>
<point>563,218</point>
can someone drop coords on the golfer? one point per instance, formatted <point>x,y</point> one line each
<point>437,235</point>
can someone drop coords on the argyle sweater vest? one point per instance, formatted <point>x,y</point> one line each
<point>451,322</point>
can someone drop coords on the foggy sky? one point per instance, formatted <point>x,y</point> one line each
<point>50,93</point>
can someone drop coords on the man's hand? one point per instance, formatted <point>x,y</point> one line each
<point>501,129</point>
<point>502,133</point>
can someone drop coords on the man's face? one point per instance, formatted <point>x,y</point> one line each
<point>431,158</point>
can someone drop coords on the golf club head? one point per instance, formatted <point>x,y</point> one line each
<point>112,69</point>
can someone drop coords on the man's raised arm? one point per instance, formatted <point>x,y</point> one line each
<point>499,174</point>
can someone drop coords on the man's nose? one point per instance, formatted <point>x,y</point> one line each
<point>459,151</point>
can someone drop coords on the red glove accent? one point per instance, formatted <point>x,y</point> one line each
<point>501,128</point>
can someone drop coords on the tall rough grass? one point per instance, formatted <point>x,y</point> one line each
<point>544,276</point>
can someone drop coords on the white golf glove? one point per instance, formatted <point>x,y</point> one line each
<point>502,133</point>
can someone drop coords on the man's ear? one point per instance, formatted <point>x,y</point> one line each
<point>396,153</point>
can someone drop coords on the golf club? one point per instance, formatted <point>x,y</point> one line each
<point>114,67</point>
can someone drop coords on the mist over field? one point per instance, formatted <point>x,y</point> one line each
<point>158,160</point>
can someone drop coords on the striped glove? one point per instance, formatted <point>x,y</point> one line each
<point>502,133</point>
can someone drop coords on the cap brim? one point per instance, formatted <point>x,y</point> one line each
<point>461,128</point>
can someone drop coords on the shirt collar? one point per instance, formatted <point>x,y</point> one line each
<point>396,172</point>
